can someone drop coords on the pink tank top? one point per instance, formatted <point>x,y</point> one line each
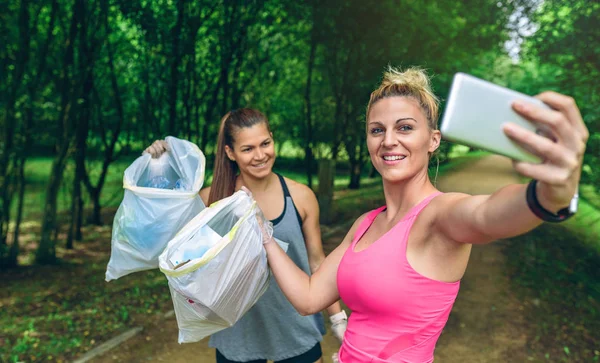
<point>397,313</point>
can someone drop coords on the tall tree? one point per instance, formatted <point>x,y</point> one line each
<point>46,252</point>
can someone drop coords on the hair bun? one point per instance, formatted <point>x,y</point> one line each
<point>414,78</point>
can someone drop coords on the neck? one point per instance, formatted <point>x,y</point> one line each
<point>402,196</point>
<point>255,185</point>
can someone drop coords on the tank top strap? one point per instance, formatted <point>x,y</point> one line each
<point>366,223</point>
<point>286,191</point>
<point>422,204</point>
<point>286,195</point>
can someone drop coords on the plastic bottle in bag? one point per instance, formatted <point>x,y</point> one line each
<point>157,174</point>
<point>180,184</point>
<point>159,182</point>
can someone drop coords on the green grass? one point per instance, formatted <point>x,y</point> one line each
<point>37,172</point>
<point>557,278</point>
<point>56,313</point>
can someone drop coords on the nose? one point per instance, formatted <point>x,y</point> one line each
<point>259,155</point>
<point>389,139</point>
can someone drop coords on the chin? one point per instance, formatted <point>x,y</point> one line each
<point>260,173</point>
<point>395,176</point>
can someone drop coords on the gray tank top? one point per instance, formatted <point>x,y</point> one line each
<point>272,329</point>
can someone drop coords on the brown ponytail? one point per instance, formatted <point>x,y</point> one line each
<point>224,171</point>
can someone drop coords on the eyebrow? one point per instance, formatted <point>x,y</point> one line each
<point>398,120</point>
<point>262,142</point>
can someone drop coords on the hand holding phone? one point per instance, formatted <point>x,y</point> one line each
<point>476,112</point>
<point>494,118</point>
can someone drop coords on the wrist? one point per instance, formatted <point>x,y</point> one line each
<point>541,193</point>
<point>336,318</point>
<point>542,211</point>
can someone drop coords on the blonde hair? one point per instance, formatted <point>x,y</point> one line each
<point>414,83</point>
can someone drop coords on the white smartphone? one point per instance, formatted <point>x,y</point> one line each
<point>476,111</point>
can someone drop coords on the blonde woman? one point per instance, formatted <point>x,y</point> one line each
<point>399,267</point>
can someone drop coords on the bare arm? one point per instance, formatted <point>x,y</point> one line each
<point>311,229</point>
<point>481,219</point>
<point>204,193</point>
<point>308,295</point>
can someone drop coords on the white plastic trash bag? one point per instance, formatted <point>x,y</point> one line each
<point>216,267</point>
<point>161,196</point>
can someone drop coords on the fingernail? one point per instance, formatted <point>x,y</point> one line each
<point>519,106</point>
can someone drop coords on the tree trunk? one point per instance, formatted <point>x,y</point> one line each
<point>86,50</point>
<point>355,171</point>
<point>325,192</point>
<point>46,252</point>
<point>175,56</point>
<point>308,140</point>
<point>7,153</point>
<point>13,253</point>
<point>109,142</point>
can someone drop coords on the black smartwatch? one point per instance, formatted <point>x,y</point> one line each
<point>545,215</point>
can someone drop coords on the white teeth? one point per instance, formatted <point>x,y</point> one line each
<point>393,157</point>
<point>260,165</point>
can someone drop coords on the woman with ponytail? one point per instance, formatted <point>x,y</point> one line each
<point>272,329</point>
<point>399,267</point>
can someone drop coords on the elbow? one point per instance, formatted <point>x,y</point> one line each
<point>307,309</point>
<point>307,312</point>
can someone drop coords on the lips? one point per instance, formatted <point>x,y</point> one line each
<point>260,165</point>
<point>393,157</point>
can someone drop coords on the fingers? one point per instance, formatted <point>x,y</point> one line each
<point>568,107</point>
<point>564,120</point>
<point>547,149</point>
<point>547,173</point>
<point>157,148</point>
<point>246,190</point>
<point>554,120</point>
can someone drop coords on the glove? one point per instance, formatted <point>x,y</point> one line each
<point>334,358</point>
<point>339,323</point>
<point>266,227</point>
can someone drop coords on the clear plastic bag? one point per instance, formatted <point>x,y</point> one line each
<point>153,210</point>
<point>225,271</point>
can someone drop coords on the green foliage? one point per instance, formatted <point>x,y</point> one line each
<point>559,286</point>
<point>563,55</point>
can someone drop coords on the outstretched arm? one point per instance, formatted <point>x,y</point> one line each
<point>308,295</point>
<point>481,219</point>
<point>311,229</point>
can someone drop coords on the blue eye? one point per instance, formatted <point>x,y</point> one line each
<point>405,128</point>
<point>376,131</point>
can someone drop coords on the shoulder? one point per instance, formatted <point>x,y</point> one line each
<point>204,193</point>
<point>299,191</point>
<point>443,203</point>
<point>355,226</point>
<point>304,198</point>
<point>432,219</point>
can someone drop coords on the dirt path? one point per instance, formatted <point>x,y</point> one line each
<point>486,320</point>
<point>485,324</point>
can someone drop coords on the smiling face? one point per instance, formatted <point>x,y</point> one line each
<point>253,150</point>
<point>399,138</point>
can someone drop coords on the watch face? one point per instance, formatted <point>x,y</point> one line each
<point>574,203</point>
